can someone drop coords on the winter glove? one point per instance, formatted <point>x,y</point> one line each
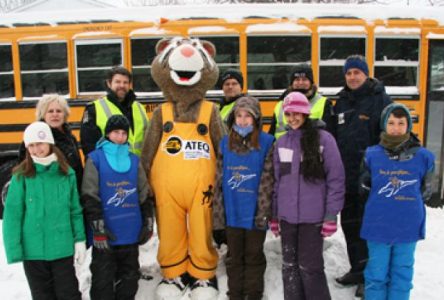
<point>435,201</point>
<point>220,237</point>
<point>147,230</point>
<point>79,252</point>
<point>274,227</point>
<point>329,227</point>
<point>101,235</point>
<point>261,222</point>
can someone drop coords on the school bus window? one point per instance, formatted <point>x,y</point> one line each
<point>227,53</point>
<point>6,72</point>
<point>271,58</point>
<point>436,83</point>
<point>397,61</point>
<point>333,52</point>
<point>94,58</point>
<point>143,51</point>
<point>44,68</point>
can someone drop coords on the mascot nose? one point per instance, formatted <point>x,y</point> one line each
<point>187,51</point>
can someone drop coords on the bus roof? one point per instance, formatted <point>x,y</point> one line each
<point>228,12</point>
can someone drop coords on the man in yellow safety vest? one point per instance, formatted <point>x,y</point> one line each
<point>119,100</point>
<point>302,81</point>
<point>232,84</point>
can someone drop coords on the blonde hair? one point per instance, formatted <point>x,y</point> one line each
<point>42,106</point>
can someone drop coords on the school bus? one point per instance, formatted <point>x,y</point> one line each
<point>70,55</point>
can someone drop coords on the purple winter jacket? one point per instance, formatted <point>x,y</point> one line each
<point>299,201</point>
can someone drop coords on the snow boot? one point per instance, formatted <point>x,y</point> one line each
<point>173,289</point>
<point>204,289</point>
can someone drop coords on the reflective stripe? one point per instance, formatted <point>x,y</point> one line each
<point>143,114</point>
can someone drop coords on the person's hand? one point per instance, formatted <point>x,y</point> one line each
<point>101,235</point>
<point>274,227</point>
<point>220,237</point>
<point>329,227</point>
<point>147,230</point>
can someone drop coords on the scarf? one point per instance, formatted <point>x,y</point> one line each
<point>393,142</point>
<point>44,161</point>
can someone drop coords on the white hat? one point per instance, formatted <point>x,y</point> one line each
<point>38,132</point>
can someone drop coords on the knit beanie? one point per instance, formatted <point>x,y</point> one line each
<point>116,122</point>
<point>249,104</point>
<point>302,70</point>
<point>356,62</point>
<point>296,102</point>
<point>389,109</point>
<point>38,132</point>
<point>233,74</point>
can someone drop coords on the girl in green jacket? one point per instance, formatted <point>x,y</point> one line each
<point>43,222</point>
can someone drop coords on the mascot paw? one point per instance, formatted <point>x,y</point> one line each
<point>172,289</point>
<point>204,289</point>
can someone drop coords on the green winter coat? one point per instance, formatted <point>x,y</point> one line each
<point>42,218</point>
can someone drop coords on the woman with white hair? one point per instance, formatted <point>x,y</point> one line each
<point>53,109</point>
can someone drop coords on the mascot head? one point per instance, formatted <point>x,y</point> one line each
<point>184,69</point>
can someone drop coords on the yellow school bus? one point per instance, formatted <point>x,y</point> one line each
<point>70,55</point>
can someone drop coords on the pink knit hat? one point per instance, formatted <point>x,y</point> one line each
<point>296,102</point>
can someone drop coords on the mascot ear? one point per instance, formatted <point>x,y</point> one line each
<point>209,47</point>
<point>162,44</point>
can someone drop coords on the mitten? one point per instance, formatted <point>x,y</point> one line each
<point>274,227</point>
<point>147,230</point>
<point>328,228</point>
<point>435,201</point>
<point>101,235</point>
<point>79,252</point>
<point>220,237</point>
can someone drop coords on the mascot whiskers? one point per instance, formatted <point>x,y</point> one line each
<point>179,157</point>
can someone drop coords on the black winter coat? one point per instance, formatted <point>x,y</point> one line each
<point>67,143</point>
<point>357,115</point>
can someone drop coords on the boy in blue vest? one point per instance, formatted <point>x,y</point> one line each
<point>115,198</point>
<point>398,176</point>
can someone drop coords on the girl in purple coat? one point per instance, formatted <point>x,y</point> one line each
<point>309,194</point>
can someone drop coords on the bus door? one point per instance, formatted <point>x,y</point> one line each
<point>435,110</point>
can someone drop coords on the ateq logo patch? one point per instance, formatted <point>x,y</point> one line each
<point>191,149</point>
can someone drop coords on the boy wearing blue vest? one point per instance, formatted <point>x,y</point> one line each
<point>398,176</point>
<point>242,198</point>
<point>115,197</point>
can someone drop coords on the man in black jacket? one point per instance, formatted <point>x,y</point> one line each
<point>357,113</point>
<point>120,99</point>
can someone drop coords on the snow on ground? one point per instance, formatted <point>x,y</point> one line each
<point>428,280</point>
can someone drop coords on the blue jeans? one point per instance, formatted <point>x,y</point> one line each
<point>389,271</point>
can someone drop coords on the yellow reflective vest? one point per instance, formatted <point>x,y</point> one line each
<point>225,112</point>
<point>316,112</point>
<point>105,109</point>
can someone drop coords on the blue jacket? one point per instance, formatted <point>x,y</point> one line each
<point>357,114</point>
<point>395,212</point>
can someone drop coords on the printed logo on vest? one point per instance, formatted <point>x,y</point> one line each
<point>120,196</point>
<point>237,179</point>
<point>394,186</point>
<point>191,149</point>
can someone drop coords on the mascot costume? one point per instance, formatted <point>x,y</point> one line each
<point>179,157</point>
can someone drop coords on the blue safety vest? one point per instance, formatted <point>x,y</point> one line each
<point>120,199</point>
<point>240,182</point>
<point>395,212</point>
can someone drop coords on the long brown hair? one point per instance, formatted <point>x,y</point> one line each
<point>26,167</point>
